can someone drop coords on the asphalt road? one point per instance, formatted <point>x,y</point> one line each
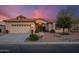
<point>42,48</point>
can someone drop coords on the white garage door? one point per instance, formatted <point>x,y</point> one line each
<point>21,29</point>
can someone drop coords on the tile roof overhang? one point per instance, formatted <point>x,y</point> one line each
<point>19,19</point>
<point>25,19</point>
<point>48,21</point>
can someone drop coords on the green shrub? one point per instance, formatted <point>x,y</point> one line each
<point>34,37</point>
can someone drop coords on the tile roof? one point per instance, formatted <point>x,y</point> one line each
<point>19,19</point>
<point>50,21</point>
<point>25,19</point>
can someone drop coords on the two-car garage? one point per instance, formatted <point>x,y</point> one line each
<point>18,28</point>
<point>20,24</point>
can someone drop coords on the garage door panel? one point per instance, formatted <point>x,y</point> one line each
<point>20,30</point>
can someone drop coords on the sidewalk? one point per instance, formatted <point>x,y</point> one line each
<point>38,43</point>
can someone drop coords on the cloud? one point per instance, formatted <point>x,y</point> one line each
<point>3,17</point>
<point>9,11</point>
<point>37,14</point>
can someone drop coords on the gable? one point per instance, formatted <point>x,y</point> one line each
<point>40,21</point>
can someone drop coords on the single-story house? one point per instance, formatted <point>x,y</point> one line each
<point>2,27</point>
<point>22,24</point>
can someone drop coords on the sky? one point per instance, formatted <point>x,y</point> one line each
<point>33,11</point>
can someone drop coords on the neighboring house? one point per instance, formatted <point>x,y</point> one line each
<point>2,27</point>
<point>22,24</point>
<point>75,26</point>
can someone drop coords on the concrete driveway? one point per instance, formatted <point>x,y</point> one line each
<point>13,38</point>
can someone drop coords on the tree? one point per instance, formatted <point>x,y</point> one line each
<point>64,22</point>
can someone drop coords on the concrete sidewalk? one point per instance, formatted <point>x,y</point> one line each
<point>38,43</point>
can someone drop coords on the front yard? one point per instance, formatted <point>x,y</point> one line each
<point>48,37</point>
<point>55,37</point>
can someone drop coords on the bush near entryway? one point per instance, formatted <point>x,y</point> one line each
<point>34,37</point>
<point>7,31</point>
<point>52,31</point>
<point>36,31</point>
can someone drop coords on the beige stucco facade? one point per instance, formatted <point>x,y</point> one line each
<point>48,26</point>
<point>22,24</point>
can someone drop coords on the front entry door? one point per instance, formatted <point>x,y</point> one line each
<point>40,27</point>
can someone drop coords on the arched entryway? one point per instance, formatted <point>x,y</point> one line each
<point>40,27</point>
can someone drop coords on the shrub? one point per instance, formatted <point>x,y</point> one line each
<point>52,31</point>
<point>34,37</point>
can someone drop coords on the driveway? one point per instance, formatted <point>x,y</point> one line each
<point>13,38</point>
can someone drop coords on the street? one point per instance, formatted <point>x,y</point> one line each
<point>41,48</point>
